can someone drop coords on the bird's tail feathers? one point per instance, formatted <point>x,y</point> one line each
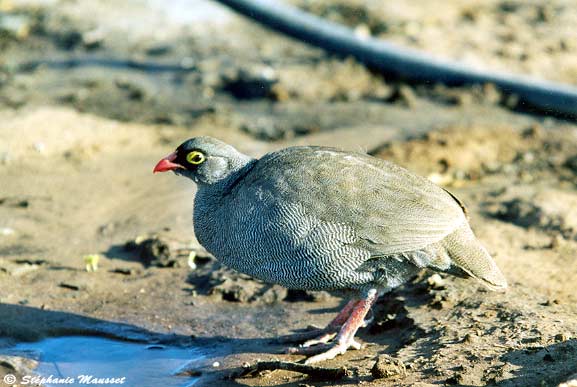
<point>467,253</point>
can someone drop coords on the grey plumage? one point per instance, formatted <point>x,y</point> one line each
<point>319,218</point>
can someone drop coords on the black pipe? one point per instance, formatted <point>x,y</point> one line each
<point>405,63</point>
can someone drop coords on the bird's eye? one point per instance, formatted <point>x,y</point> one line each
<point>195,157</point>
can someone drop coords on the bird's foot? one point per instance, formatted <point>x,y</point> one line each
<point>356,310</point>
<point>316,335</point>
<point>323,351</point>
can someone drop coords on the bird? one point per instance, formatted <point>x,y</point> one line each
<point>321,218</point>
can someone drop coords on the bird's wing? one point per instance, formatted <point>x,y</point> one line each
<point>391,209</point>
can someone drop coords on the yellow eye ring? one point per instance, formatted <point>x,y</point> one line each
<point>195,157</point>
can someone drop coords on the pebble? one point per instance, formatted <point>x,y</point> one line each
<point>187,63</point>
<point>190,260</point>
<point>362,31</point>
<point>388,367</point>
<point>40,147</point>
<point>7,231</point>
<point>440,179</point>
<point>436,281</point>
<point>94,38</point>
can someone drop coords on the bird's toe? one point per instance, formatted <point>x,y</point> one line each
<point>323,339</point>
<point>333,351</point>
<point>323,351</point>
<point>312,350</point>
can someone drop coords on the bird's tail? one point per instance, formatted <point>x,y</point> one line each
<point>469,255</point>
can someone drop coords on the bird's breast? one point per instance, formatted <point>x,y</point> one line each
<point>278,243</point>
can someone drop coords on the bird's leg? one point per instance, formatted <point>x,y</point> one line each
<point>343,315</point>
<point>345,338</point>
<point>322,335</point>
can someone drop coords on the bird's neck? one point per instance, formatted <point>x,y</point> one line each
<point>210,206</point>
<point>238,171</point>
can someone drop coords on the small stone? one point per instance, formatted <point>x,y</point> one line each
<point>363,31</point>
<point>187,63</point>
<point>93,39</point>
<point>190,260</point>
<point>40,147</point>
<point>436,281</point>
<point>6,231</point>
<point>388,367</point>
<point>440,179</point>
<point>216,364</point>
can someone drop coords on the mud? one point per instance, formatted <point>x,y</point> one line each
<point>89,103</point>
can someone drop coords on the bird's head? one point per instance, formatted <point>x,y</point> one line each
<point>205,160</point>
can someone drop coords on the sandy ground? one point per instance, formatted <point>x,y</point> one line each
<point>78,142</point>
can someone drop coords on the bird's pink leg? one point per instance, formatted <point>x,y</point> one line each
<point>345,338</point>
<point>325,335</point>
<point>344,314</point>
<point>322,335</point>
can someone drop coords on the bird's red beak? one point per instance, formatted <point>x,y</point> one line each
<point>166,164</point>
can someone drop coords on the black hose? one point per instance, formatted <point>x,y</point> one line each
<point>405,63</point>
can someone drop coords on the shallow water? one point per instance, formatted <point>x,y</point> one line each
<point>77,356</point>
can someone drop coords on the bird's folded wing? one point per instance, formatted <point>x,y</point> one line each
<point>389,208</point>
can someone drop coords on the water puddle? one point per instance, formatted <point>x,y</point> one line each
<point>83,360</point>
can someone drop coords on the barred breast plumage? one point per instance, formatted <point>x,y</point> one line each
<point>323,219</point>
